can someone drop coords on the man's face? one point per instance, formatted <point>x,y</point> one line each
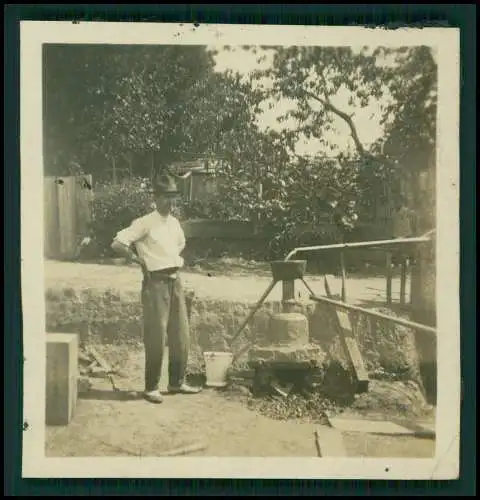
<point>164,203</point>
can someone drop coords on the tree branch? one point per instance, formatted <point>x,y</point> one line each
<point>344,116</point>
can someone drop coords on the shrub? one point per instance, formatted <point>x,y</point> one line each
<point>115,207</point>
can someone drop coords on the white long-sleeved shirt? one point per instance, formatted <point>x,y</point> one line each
<point>158,239</point>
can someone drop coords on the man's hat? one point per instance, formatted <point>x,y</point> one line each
<point>165,184</point>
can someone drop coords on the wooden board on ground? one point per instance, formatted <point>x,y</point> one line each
<point>185,450</point>
<point>352,350</point>
<point>423,428</point>
<point>349,343</point>
<point>370,427</point>
<point>329,443</point>
<point>99,359</point>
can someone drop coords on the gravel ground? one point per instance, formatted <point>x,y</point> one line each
<point>109,423</point>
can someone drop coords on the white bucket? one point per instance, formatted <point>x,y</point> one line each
<point>216,367</point>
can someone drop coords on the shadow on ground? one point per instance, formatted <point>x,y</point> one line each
<point>109,395</point>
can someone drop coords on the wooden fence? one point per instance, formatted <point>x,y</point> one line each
<point>67,214</point>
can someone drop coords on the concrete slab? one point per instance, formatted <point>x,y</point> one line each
<point>370,427</point>
<point>424,430</point>
<point>419,427</point>
<point>288,354</point>
<point>61,378</point>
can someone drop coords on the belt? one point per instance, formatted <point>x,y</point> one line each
<point>163,274</point>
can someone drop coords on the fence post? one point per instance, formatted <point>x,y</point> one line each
<point>66,187</point>
<point>67,214</point>
<point>389,277</point>
<point>344,276</point>
<point>50,218</point>
<point>403,281</point>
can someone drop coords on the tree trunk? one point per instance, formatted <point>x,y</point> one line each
<point>423,283</point>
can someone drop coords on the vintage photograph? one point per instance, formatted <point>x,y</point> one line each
<point>240,254</point>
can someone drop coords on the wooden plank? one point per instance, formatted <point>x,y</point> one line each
<point>184,450</point>
<point>84,197</point>
<point>374,314</point>
<point>350,346</point>
<point>67,215</point>
<point>329,443</point>
<point>50,218</point>
<point>421,430</point>
<point>99,359</point>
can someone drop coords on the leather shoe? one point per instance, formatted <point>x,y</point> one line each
<point>184,389</point>
<point>153,397</point>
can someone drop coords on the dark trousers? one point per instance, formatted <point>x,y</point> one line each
<point>165,319</point>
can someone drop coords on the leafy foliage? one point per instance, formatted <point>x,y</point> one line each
<point>115,207</point>
<point>110,101</point>
<point>401,82</point>
<point>115,100</point>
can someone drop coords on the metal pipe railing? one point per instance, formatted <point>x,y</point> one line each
<point>399,321</point>
<point>362,244</point>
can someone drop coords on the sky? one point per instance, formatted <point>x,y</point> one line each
<point>367,120</point>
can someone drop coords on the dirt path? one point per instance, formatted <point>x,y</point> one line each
<point>245,287</point>
<point>104,426</point>
<point>109,423</point>
<point>137,428</point>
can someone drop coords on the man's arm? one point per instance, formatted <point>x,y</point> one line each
<point>122,244</point>
<point>125,251</point>
<point>182,241</point>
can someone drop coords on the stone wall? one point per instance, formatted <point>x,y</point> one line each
<point>116,318</point>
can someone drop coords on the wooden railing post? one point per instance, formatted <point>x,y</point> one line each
<point>389,277</point>
<point>403,281</point>
<point>344,276</point>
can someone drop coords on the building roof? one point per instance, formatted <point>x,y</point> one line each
<point>196,163</point>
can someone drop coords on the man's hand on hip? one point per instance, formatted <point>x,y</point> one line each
<point>129,254</point>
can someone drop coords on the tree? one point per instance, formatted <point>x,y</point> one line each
<point>114,100</point>
<point>404,78</point>
<point>69,72</point>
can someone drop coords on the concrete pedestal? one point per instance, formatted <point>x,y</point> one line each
<point>287,341</point>
<point>62,378</point>
<point>288,354</point>
<point>287,329</point>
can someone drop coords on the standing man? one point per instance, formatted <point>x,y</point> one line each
<point>159,240</point>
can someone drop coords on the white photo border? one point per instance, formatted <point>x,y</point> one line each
<point>445,464</point>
